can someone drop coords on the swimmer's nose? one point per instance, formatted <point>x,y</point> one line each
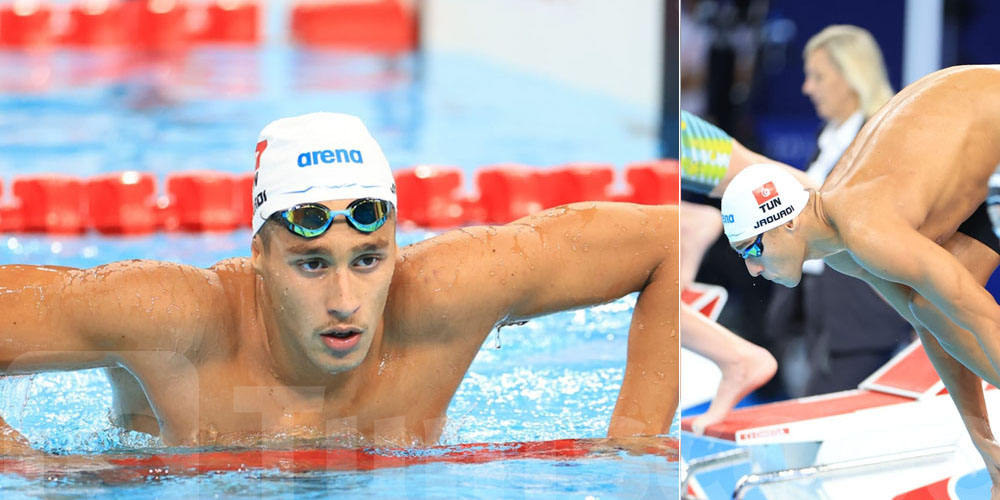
<point>753,268</point>
<point>343,300</point>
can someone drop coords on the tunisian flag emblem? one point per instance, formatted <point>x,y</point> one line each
<point>765,192</point>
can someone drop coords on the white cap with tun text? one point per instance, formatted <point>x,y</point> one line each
<point>761,197</point>
<point>317,157</point>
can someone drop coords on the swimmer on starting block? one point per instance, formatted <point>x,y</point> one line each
<point>328,326</point>
<point>903,210</point>
<point>710,158</point>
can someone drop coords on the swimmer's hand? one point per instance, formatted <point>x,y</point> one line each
<point>638,445</point>
<point>990,451</point>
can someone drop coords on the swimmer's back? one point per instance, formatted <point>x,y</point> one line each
<point>934,145</point>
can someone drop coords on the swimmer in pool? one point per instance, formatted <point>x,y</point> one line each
<point>328,326</point>
<point>902,210</point>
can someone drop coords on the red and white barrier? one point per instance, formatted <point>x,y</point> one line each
<point>206,200</point>
<point>363,25</point>
<point>428,196</point>
<point>51,203</point>
<point>122,203</point>
<point>26,24</point>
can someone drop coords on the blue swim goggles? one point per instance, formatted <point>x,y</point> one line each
<point>310,220</point>
<point>756,249</point>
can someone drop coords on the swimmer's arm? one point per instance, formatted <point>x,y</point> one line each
<point>902,255</point>
<point>963,385</point>
<point>57,318</point>
<point>600,255</point>
<point>565,258</point>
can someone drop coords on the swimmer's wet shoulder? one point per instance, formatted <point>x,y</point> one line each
<point>121,307</point>
<point>568,257</point>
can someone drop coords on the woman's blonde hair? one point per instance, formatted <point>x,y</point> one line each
<point>859,59</point>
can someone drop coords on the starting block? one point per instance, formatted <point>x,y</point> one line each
<point>896,436</point>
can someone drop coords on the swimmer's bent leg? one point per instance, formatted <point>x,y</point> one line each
<point>130,409</point>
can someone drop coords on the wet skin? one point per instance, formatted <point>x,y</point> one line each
<point>344,335</point>
<point>888,214</point>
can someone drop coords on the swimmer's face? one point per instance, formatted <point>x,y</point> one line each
<point>827,88</point>
<point>328,292</point>
<point>781,258</point>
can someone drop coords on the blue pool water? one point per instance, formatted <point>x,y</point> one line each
<point>444,109</point>
<point>555,377</point>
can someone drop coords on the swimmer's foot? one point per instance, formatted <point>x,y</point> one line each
<point>741,377</point>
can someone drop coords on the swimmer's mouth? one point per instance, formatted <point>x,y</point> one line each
<point>341,333</point>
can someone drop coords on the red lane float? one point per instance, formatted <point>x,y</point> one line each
<point>51,203</point>
<point>95,24</point>
<point>575,182</point>
<point>25,24</point>
<point>156,25</point>
<point>205,200</point>
<point>230,21</point>
<point>368,25</point>
<point>375,25</point>
<point>508,192</point>
<point>429,196</point>
<point>243,197</point>
<point>654,182</point>
<point>8,216</point>
<point>11,220</point>
<point>123,203</point>
<point>119,469</point>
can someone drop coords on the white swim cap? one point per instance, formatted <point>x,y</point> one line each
<point>761,197</point>
<point>317,157</point>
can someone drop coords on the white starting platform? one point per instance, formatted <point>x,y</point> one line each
<point>897,436</point>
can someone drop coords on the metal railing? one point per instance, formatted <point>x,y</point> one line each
<point>710,463</point>
<point>750,481</point>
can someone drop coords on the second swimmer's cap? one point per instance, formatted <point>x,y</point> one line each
<point>317,157</point>
<point>761,197</point>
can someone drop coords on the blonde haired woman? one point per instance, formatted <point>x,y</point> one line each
<point>847,83</point>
